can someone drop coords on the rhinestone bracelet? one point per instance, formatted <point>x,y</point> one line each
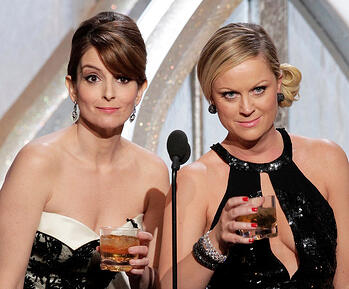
<point>206,254</point>
<point>211,250</point>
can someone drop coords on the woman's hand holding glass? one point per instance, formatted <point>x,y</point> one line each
<point>244,220</point>
<point>226,231</point>
<point>141,260</point>
<point>139,264</point>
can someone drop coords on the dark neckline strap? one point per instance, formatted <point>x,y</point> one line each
<point>274,165</point>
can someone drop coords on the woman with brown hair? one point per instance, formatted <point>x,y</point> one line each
<point>242,79</point>
<point>63,187</point>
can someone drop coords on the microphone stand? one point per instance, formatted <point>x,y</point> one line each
<point>175,167</point>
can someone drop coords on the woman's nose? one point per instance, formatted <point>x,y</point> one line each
<point>108,92</point>
<point>246,106</point>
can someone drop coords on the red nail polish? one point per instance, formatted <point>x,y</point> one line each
<point>245,199</point>
<point>254,209</point>
<point>254,225</point>
<point>251,240</point>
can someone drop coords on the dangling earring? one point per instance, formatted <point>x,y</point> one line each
<point>133,115</point>
<point>212,109</point>
<point>280,97</point>
<point>75,114</point>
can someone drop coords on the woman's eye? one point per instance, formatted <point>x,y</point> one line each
<point>259,89</point>
<point>229,94</point>
<point>123,79</point>
<point>92,78</point>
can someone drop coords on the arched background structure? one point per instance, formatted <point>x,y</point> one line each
<point>313,35</point>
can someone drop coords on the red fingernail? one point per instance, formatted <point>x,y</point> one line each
<point>254,209</point>
<point>254,225</point>
<point>245,199</point>
<point>251,240</point>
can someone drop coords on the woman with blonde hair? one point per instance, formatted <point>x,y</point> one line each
<point>242,79</point>
<point>63,187</point>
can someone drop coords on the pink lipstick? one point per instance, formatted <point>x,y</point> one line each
<point>107,109</point>
<point>249,124</point>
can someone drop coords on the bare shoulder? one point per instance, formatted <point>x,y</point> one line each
<point>31,175</point>
<point>153,175</point>
<point>151,169</point>
<point>322,151</point>
<point>323,162</point>
<point>196,171</point>
<point>36,155</point>
<point>199,174</point>
<point>40,156</point>
<point>197,189</point>
<point>153,163</point>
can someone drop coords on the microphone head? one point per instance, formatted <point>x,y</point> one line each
<point>177,145</point>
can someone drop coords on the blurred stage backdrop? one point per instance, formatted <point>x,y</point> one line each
<point>35,42</point>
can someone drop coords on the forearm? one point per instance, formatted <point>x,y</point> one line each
<point>341,280</point>
<point>7,281</point>
<point>191,275</point>
<point>12,268</point>
<point>7,285</point>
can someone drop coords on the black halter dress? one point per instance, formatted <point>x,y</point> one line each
<point>309,215</point>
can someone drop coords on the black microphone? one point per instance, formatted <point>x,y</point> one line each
<point>179,151</point>
<point>178,148</point>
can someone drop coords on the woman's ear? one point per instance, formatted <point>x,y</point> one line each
<point>279,82</point>
<point>140,92</point>
<point>71,88</point>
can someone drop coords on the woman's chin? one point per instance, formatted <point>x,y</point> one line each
<point>250,135</point>
<point>105,128</point>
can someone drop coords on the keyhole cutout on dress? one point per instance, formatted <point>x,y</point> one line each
<point>283,246</point>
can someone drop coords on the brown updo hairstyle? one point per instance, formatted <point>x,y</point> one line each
<point>233,44</point>
<point>118,41</point>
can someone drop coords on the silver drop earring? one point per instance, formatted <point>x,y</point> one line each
<point>133,115</point>
<point>75,114</point>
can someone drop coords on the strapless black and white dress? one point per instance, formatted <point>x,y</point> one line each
<point>64,256</point>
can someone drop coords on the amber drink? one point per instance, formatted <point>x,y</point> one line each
<point>265,217</point>
<point>114,244</point>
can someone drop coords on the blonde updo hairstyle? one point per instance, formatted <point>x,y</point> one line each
<point>233,44</point>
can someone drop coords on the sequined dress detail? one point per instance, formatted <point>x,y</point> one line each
<point>309,215</point>
<point>64,256</point>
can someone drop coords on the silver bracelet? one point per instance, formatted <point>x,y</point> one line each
<point>211,250</point>
<point>206,254</point>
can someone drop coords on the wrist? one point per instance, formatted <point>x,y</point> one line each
<point>216,254</point>
<point>220,246</point>
<point>206,254</point>
<point>144,281</point>
<point>150,277</point>
<point>135,280</point>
